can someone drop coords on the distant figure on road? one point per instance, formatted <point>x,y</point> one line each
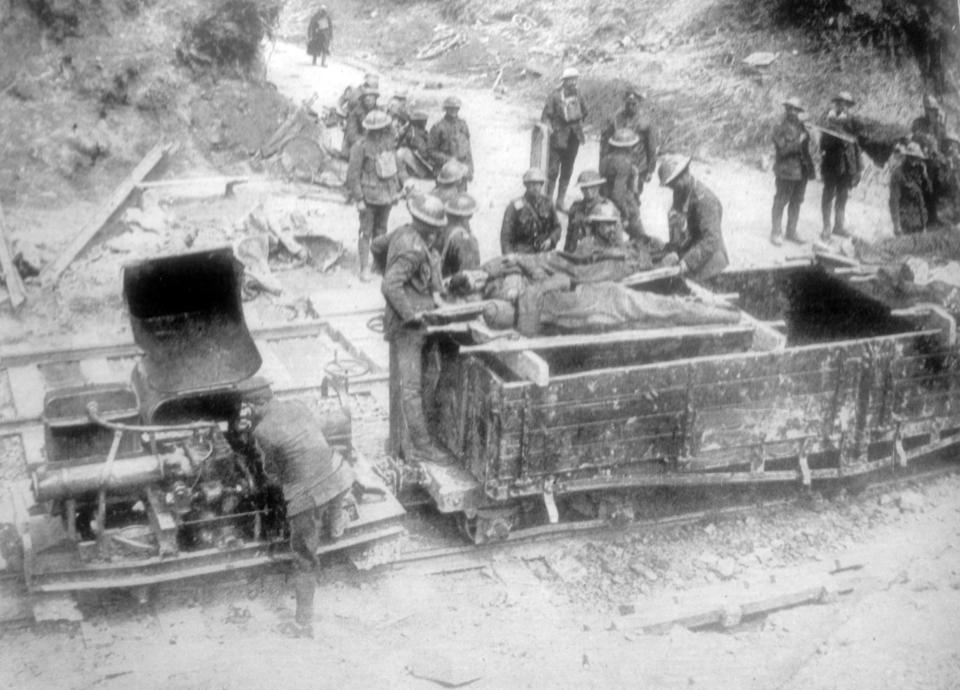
<point>450,138</point>
<point>564,112</point>
<point>530,223</point>
<point>696,242</point>
<point>320,35</point>
<point>840,167</point>
<point>793,167</point>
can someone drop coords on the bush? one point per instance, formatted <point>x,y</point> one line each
<point>230,35</point>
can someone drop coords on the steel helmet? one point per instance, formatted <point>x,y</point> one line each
<point>376,119</point>
<point>418,116</point>
<point>451,172</point>
<point>534,175</point>
<point>930,101</point>
<point>633,92</point>
<point>462,206</point>
<point>369,90</point>
<point>604,213</point>
<point>428,209</point>
<point>845,97</point>
<point>671,167</point>
<point>371,79</point>
<point>624,138</point>
<point>570,73</point>
<point>793,102</point>
<point>589,178</point>
<point>452,102</point>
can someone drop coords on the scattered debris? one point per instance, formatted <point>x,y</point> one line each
<point>253,253</point>
<point>8,268</point>
<point>51,274</point>
<point>55,607</point>
<point>445,38</point>
<point>445,672</point>
<point>910,502</point>
<point>760,59</point>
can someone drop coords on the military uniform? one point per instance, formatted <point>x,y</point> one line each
<point>840,169</point>
<point>792,168</point>
<point>450,138</point>
<point>620,187</point>
<point>446,192</point>
<point>412,276</point>
<point>319,36</point>
<point>565,111</point>
<point>909,188</point>
<point>577,226</point>
<point>645,154</point>
<point>929,132</point>
<point>353,129</point>
<point>413,152</point>
<point>530,225</point>
<point>315,480</point>
<point>696,236</point>
<point>459,249</point>
<point>374,177</point>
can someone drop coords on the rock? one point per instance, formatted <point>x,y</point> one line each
<point>135,242</point>
<point>567,568</point>
<point>710,529</point>
<point>150,219</point>
<point>910,502</point>
<point>27,258</point>
<point>725,568</point>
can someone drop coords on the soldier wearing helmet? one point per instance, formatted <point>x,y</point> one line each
<point>374,182</point>
<point>449,138</point>
<point>412,151</point>
<point>696,242</point>
<point>623,180</point>
<point>450,181</point>
<point>578,227</point>
<point>320,35</point>
<point>792,168</point>
<point>459,250</point>
<point>910,186</point>
<point>605,229</point>
<point>929,129</point>
<point>631,117</point>
<point>564,113</point>
<point>410,282</point>
<point>366,104</point>
<point>530,223</point>
<point>840,165</point>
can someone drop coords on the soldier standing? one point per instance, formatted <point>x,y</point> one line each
<point>578,225</point>
<point>410,281</point>
<point>929,129</point>
<point>623,179</point>
<point>459,248</point>
<point>564,113</point>
<point>450,139</point>
<point>696,241</point>
<point>530,223</point>
<point>365,105</point>
<point>909,188</point>
<point>412,147</point>
<point>840,166</point>
<point>374,182</point>
<point>793,167</point>
<point>315,480</point>
<point>633,118</point>
<point>320,35</point>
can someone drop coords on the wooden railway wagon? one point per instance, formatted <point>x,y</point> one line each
<point>818,381</point>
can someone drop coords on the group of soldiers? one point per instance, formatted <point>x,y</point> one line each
<point>924,181</point>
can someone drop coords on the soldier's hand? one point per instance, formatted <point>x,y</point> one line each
<point>670,259</point>
<point>361,205</point>
<point>416,321</point>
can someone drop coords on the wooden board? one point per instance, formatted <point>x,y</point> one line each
<point>540,147</point>
<point>11,277</point>
<point>52,272</point>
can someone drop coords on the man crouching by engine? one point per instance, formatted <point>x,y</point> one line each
<point>315,481</point>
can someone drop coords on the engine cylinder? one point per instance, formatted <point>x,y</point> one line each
<point>128,473</point>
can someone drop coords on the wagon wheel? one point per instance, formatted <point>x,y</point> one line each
<point>346,369</point>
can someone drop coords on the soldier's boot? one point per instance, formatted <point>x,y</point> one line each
<point>838,223</point>
<point>825,209</point>
<point>420,446</point>
<point>304,588</point>
<point>336,516</point>
<point>793,217</point>
<point>363,252</point>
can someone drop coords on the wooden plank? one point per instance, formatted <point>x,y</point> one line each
<point>592,339</point>
<point>28,389</point>
<point>218,179</point>
<point>99,370</point>
<point>34,446</point>
<point>11,276</point>
<point>52,272</point>
<point>272,367</point>
<point>527,365</point>
<point>644,277</point>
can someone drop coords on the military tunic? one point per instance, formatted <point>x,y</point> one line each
<point>353,129</point>
<point>460,250</point>
<point>620,187</point>
<point>450,138</point>
<point>374,177</point>
<point>645,153</point>
<point>530,225</point>
<point>565,111</point>
<point>411,277</point>
<point>578,227</point>
<point>909,188</point>
<point>701,245</point>
<point>792,167</point>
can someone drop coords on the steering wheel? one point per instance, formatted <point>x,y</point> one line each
<point>346,368</point>
<point>375,324</point>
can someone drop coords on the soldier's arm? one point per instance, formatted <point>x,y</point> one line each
<point>555,228</point>
<point>785,144</point>
<point>397,275</point>
<point>466,132</point>
<point>605,134</point>
<point>573,233</point>
<point>354,192</point>
<point>506,230</point>
<point>653,144</point>
<point>549,110</point>
<point>709,243</point>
